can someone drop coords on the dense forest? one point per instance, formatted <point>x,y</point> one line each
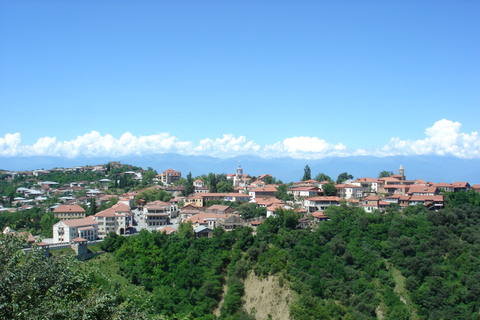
<point>410,264</point>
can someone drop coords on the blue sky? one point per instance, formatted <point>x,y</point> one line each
<point>306,79</point>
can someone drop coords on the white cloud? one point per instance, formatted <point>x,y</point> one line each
<point>10,145</point>
<point>93,144</point>
<point>305,147</point>
<point>228,145</point>
<point>443,138</point>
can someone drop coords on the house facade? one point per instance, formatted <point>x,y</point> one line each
<point>66,230</point>
<point>157,213</point>
<point>169,176</point>
<point>115,219</point>
<point>349,191</point>
<point>68,212</point>
<point>320,203</point>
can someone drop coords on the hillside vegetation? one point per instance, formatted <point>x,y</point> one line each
<point>413,264</point>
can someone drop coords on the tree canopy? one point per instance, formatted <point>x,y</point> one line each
<point>150,195</point>
<point>384,174</point>
<point>307,173</point>
<point>323,177</point>
<point>342,177</point>
<point>329,189</point>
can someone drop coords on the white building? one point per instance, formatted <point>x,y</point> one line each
<point>349,191</point>
<point>320,203</point>
<point>115,219</point>
<point>158,213</point>
<point>66,230</point>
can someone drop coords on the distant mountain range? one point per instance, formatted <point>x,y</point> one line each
<point>429,168</point>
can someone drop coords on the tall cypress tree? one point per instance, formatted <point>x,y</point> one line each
<point>307,175</point>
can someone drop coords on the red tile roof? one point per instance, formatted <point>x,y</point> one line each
<point>395,186</point>
<point>167,230</point>
<point>327,198</point>
<point>79,239</point>
<point>437,198</point>
<point>200,218</point>
<point>319,215</point>
<point>80,222</point>
<point>69,208</point>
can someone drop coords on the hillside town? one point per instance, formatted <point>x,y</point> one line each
<point>124,199</point>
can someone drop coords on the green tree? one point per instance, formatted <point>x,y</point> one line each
<point>323,177</point>
<point>342,177</point>
<point>148,176</point>
<point>329,189</point>
<point>92,208</point>
<point>112,242</point>
<point>282,193</point>
<point>385,174</point>
<point>269,179</point>
<point>150,195</point>
<point>189,189</point>
<point>225,187</point>
<point>185,231</point>
<point>213,183</point>
<point>307,173</point>
<point>59,287</point>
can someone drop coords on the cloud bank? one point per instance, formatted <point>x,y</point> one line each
<point>443,138</point>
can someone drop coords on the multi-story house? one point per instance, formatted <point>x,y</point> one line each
<point>320,203</point>
<point>419,190</point>
<point>69,211</point>
<point>267,191</point>
<point>157,213</point>
<point>169,176</point>
<point>430,202</point>
<point>349,191</point>
<point>200,187</point>
<point>303,192</point>
<point>230,222</point>
<point>66,230</point>
<point>115,219</point>
<point>369,185</point>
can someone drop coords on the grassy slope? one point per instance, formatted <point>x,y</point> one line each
<point>401,291</point>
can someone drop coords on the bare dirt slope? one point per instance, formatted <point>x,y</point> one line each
<point>218,310</point>
<point>265,299</point>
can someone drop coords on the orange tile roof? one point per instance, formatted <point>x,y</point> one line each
<point>395,186</point>
<point>341,186</point>
<point>80,222</point>
<point>267,188</point>
<point>304,189</point>
<point>367,180</point>
<point>327,198</point>
<point>389,179</point>
<point>319,215</point>
<point>426,198</point>
<point>121,207</point>
<point>419,189</point>
<point>167,230</point>
<point>275,206</point>
<point>460,184</point>
<point>69,208</point>
<point>112,212</point>
<point>79,239</point>
<point>218,207</point>
<point>200,217</point>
